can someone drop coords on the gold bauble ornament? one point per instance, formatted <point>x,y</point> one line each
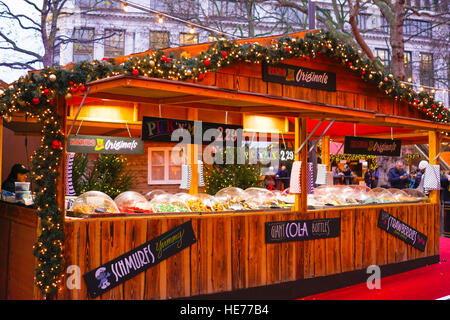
<point>52,77</point>
<point>370,76</point>
<point>152,63</point>
<point>68,96</point>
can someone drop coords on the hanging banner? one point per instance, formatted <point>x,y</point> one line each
<point>130,264</point>
<point>299,76</point>
<point>402,231</point>
<point>199,132</point>
<point>285,231</point>
<point>105,145</point>
<point>284,156</point>
<point>372,146</point>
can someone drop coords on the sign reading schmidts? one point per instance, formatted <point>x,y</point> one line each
<point>103,144</point>
<point>299,76</point>
<point>284,231</point>
<point>130,264</point>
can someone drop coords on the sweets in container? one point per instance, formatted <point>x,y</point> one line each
<point>132,202</point>
<point>94,202</point>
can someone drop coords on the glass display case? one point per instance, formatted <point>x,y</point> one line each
<point>94,202</point>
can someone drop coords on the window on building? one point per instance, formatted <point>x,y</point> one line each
<point>56,55</point>
<point>188,38</point>
<point>408,64</point>
<point>384,24</point>
<point>384,55</point>
<point>417,28</point>
<point>83,46</point>
<point>164,165</point>
<point>159,40</point>
<point>114,43</point>
<point>426,69</point>
<point>101,4</point>
<point>226,8</point>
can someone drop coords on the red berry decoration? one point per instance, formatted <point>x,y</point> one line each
<point>224,54</point>
<point>56,144</point>
<point>46,92</point>
<point>135,72</point>
<point>36,100</point>
<point>206,63</point>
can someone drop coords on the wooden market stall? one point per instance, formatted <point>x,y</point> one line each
<point>231,257</point>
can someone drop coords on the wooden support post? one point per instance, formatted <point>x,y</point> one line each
<point>433,151</point>
<point>326,151</point>
<point>304,174</point>
<point>1,148</point>
<point>193,156</point>
<point>297,143</point>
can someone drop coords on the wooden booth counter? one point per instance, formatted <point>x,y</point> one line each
<point>231,253</point>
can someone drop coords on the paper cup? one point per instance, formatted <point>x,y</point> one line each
<point>22,186</point>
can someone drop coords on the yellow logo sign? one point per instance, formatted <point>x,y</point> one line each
<point>100,145</point>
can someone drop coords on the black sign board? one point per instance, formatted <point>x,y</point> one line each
<point>199,132</point>
<point>298,230</point>
<point>299,76</point>
<point>372,146</point>
<point>128,265</point>
<point>402,231</point>
<point>103,144</point>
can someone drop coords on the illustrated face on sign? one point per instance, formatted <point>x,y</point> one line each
<point>102,275</point>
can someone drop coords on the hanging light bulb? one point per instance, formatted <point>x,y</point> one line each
<point>125,6</point>
<point>160,19</point>
<point>192,29</point>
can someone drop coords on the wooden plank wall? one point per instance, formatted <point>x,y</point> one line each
<point>351,90</point>
<point>231,253</point>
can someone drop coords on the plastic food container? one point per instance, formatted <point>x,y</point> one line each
<point>132,202</point>
<point>94,202</point>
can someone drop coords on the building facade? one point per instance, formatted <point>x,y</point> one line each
<point>110,31</point>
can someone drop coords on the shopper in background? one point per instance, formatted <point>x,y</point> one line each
<point>398,177</point>
<point>419,174</point>
<point>369,178</point>
<point>283,176</point>
<point>348,175</point>
<point>18,174</point>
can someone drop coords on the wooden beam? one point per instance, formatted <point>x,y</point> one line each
<point>304,169</point>
<point>123,97</point>
<point>326,151</point>
<point>183,99</point>
<point>193,156</point>
<point>297,143</point>
<point>433,151</point>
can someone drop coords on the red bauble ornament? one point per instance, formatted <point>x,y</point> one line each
<point>288,49</point>
<point>74,90</point>
<point>82,88</point>
<point>307,58</point>
<point>46,92</point>
<point>36,100</point>
<point>163,58</point>
<point>206,63</point>
<point>385,79</point>
<point>424,110</point>
<point>71,83</point>
<point>434,106</point>
<point>201,76</point>
<point>350,64</point>
<point>440,116</point>
<point>168,59</point>
<point>363,72</point>
<point>224,54</point>
<point>56,144</point>
<point>416,100</point>
<point>135,72</point>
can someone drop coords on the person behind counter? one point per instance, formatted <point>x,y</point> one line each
<point>398,178</point>
<point>283,176</point>
<point>18,174</point>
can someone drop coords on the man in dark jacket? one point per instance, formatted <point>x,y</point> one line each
<point>18,174</point>
<point>398,178</point>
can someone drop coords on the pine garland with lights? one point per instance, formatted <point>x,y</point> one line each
<point>371,160</point>
<point>36,93</point>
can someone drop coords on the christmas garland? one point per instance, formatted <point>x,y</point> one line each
<point>35,96</point>
<point>372,160</point>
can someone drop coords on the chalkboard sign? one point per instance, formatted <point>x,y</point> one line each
<point>402,231</point>
<point>372,146</point>
<point>299,76</point>
<point>106,145</point>
<point>298,230</point>
<point>199,132</point>
<point>128,265</point>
